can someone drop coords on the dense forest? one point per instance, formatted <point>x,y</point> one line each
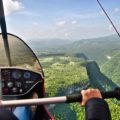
<point>66,75</point>
<point>112,68</point>
<point>66,71</point>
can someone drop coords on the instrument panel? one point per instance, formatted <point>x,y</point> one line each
<point>17,82</point>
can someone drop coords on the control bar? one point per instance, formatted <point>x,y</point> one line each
<point>54,100</point>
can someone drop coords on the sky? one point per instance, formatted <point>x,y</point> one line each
<point>63,19</point>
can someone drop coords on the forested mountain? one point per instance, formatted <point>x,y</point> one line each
<point>64,64</point>
<point>64,75</point>
<point>47,44</point>
<point>112,68</point>
<point>98,49</point>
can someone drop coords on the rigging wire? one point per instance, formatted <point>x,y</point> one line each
<point>108,18</point>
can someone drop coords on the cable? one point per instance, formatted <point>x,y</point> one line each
<point>108,18</point>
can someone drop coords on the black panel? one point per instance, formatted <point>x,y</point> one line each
<point>17,82</point>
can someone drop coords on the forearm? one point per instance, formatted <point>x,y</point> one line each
<point>97,109</point>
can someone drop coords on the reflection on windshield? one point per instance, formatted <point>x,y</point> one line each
<point>21,54</point>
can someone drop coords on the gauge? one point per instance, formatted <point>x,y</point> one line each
<point>27,75</point>
<point>10,84</point>
<point>16,74</point>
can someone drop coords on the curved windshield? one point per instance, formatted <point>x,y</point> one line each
<point>20,54</point>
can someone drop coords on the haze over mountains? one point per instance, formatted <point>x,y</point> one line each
<point>41,44</point>
<point>98,49</point>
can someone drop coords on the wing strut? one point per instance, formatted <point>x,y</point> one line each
<point>4,32</point>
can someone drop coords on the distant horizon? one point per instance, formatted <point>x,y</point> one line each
<point>37,39</point>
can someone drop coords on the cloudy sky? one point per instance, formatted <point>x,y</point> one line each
<point>65,19</point>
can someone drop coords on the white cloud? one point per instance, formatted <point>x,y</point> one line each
<point>102,13</point>
<point>73,22</point>
<point>35,23</point>
<point>110,27</point>
<point>117,10</point>
<point>28,13</point>
<point>85,16</point>
<point>11,6</point>
<point>66,34</point>
<point>61,23</point>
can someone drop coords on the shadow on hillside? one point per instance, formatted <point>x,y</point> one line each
<point>97,78</point>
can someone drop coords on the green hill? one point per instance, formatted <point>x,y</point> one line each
<point>96,49</point>
<point>64,75</point>
<point>112,68</point>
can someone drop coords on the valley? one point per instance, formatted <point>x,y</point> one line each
<point>77,65</point>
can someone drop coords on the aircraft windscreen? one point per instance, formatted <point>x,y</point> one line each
<point>20,54</point>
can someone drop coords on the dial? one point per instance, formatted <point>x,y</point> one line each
<point>27,75</point>
<point>16,74</point>
<point>10,84</point>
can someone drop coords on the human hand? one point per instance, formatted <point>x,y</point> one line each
<point>88,94</point>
